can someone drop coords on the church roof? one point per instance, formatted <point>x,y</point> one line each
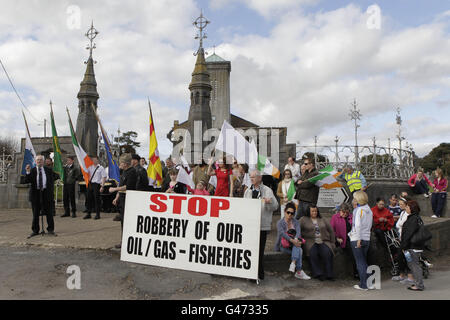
<point>215,58</point>
<point>238,122</point>
<point>88,87</point>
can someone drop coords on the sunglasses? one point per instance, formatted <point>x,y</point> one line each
<point>290,212</point>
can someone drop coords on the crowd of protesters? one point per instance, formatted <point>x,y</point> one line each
<point>302,232</point>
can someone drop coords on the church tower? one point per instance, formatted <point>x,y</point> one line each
<point>199,118</point>
<point>219,71</point>
<point>87,127</point>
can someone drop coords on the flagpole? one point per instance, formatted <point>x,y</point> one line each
<point>100,123</point>
<point>26,124</point>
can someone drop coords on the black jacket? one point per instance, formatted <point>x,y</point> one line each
<point>71,174</point>
<point>410,227</point>
<point>307,191</point>
<point>142,179</point>
<point>34,192</point>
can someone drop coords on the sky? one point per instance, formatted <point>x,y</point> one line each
<point>294,63</point>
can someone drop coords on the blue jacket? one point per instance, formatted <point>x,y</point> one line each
<point>282,229</point>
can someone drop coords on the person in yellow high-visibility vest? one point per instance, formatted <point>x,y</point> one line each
<point>354,179</point>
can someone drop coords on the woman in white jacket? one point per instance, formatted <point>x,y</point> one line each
<point>360,236</point>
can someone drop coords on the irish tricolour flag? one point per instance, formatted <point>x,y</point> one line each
<point>326,178</point>
<point>83,159</point>
<point>266,167</point>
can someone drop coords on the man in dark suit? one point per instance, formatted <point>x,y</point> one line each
<point>71,175</point>
<point>41,179</point>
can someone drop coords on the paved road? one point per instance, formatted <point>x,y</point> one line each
<point>33,272</point>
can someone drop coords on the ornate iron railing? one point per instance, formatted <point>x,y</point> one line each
<point>6,162</point>
<point>373,161</point>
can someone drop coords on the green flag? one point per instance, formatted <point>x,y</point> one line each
<point>291,191</point>
<point>57,161</point>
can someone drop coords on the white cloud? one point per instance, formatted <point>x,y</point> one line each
<point>266,8</point>
<point>304,74</point>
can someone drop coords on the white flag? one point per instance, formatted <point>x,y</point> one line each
<point>232,142</point>
<point>184,177</point>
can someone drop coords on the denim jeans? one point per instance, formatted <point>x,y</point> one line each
<point>417,272</point>
<point>360,255</point>
<point>421,187</point>
<point>296,254</point>
<point>438,200</point>
<point>321,259</point>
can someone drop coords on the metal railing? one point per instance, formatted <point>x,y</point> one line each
<point>6,162</point>
<point>373,161</point>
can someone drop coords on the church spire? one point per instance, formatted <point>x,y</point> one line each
<point>88,87</point>
<point>201,23</point>
<point>87,127</point>
<point>199,118</point>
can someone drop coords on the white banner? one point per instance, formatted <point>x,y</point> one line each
<point>215,235</point>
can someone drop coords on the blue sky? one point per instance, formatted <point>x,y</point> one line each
<point>307,58</point>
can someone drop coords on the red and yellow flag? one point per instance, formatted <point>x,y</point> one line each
<point>154,170</point>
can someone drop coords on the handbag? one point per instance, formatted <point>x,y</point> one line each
<point>422,235</point>
<point>284,242</point>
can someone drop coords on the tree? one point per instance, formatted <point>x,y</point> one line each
<point>385,158</point>
<point>9,145</point>
<point>439,157</point>
<point>320,157</point>
<point>127,142</point>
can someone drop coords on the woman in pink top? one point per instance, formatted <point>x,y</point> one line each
<point>341,222</point>
<point>419,183</point>
<point>439,196</point>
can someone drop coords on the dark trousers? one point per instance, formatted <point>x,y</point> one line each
<point>69,198</point>
<point>360,255</point>
<point>262,245</point>
<point>402,264</point>
<point>381,238</point>
<point>94,201</point>
<point>438,200</point>
<point>302,209</point>
<point>122,208</point>
<point>421,187</point>
<point>349,252</point>
<point>44,206</point>
<point>321,260</point>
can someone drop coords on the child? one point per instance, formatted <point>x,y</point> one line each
<point>394,208</point>
<point>200,190</point>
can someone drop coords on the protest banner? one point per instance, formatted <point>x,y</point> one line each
<point>215,235</point>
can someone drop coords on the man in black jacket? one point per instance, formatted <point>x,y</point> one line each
<point>41,179</point>
<point>128,180</point>
<point>71,175</point>
<point>142,178</point>
<point>307,193</point>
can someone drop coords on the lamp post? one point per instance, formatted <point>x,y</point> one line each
<point>355,115</point>
<point>398,120</point>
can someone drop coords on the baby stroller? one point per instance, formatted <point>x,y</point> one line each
<point>393,246</point>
